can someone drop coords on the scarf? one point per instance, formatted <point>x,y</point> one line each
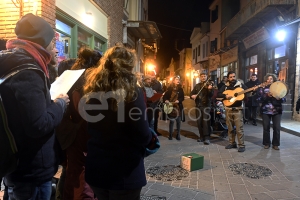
<point>39,54</point>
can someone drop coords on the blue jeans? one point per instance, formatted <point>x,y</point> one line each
<point>276,119</point>
<point>29,190</point>
<point>171,125</point>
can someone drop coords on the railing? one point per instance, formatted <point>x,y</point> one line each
<point>250,10</point>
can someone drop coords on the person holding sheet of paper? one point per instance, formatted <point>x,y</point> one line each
<point>32,116</point>
<point>75,186</point>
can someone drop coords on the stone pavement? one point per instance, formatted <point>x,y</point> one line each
<point>215,181</point>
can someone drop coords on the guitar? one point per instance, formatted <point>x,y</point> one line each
<point>238,94</point>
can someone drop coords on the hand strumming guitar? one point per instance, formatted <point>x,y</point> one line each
<point>228,97</point>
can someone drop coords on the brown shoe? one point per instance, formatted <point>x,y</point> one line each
<point>267,146</point>
<point>275,147</point>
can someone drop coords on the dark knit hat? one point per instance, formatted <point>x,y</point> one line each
<point>34,29</point>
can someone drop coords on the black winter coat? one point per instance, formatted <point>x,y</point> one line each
<point>180,98</point>
<point>204,98</point>
<point>252,99</point>
<point>32,117</point>
<point>116,148</point>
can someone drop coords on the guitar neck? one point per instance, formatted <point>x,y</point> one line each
<point>247,90</point>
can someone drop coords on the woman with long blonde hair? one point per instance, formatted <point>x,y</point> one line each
<point>118,127</point>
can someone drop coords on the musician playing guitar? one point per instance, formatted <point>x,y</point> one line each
<point>234,113</point>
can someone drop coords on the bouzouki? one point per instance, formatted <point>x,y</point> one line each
<point>238,94</point>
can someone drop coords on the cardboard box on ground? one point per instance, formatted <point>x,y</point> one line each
<point>191,161</point>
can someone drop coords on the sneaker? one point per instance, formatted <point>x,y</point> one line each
<point>230,146</point>
<point>200,140</point>
<point>266,146</point>
<point>254,124</point>
<point>275,147</point>
<point>206,142</point>
<point>241,149</point>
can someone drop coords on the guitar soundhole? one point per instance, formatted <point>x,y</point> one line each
<point>235,94</point>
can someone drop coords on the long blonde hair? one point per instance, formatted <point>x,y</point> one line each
<point>114,73</point>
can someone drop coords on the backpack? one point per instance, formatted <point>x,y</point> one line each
<point>8,148</point>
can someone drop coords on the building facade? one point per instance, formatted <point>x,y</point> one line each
<point>259,51</point>
<point>98,24</point>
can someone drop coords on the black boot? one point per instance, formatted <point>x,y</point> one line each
<point>254,123</point>
<point>178,136</point>
<point>170,137</point>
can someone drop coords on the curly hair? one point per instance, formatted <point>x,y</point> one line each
<point>114,73</point>
<point>270,74</point>
<point>87,58</point>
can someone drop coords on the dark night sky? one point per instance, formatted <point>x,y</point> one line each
<point>182,14</point>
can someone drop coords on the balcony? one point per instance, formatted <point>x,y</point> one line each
<point>255,15</point>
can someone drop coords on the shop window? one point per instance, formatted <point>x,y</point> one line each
<point>98,44</point>
<point>270,68</point>
<point>62,45</point>
<point>63,27</point>
<point>224,71</point>
<point>269,54</point>
<point>83,37</point>
<point>280,51</point>
<point>253,60</point>
<point>247,62</point>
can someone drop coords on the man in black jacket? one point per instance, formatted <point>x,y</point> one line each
<point>32,115</point>
<point>251,103</point>
<point>234,112</point>
<point>202,94</point>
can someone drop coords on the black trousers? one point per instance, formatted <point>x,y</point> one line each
<point>203,122</point>
<point>156,116</point>
<point>251,113</point>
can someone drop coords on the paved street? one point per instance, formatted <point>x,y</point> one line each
<point>215,181</point>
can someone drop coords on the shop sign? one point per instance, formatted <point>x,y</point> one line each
<point>255,38</point>
<point>229,56</point>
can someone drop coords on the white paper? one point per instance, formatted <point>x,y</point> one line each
<point>64,82</point>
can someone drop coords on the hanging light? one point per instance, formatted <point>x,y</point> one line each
<point>280,35</point>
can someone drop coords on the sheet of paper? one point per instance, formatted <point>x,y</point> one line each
<point>64,82</point>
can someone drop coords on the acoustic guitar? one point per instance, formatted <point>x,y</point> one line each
<point>238,94</point>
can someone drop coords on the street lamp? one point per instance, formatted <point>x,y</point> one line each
<point>280,35</point>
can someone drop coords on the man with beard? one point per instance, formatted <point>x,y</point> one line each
<point>234,113</point>
<point>203,103</point>
<point>251,103</point>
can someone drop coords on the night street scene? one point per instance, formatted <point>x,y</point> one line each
<point>149,100</point>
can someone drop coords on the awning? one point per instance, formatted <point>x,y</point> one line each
<point>145,30</point>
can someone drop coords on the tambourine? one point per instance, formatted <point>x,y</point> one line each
<point>278,89</point>
<point>168,107</point>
